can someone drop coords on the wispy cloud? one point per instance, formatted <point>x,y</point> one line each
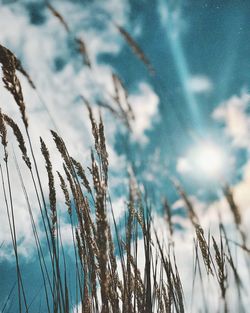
<point>200,84</point>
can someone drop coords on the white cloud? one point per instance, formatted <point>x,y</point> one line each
<point>200,84</point>
<point>183,166</point>
<point>145,107</point>
<point>237,122</point>
<point>242,195</point>
<point>37,46</point>
<point>119,207</point>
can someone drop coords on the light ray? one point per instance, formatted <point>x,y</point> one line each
<point>181,64</point>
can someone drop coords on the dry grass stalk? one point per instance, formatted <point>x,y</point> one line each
<point>52,191</point>
<point>107,106</point>
<point>4,52</point>
<point>103,151</point>
<point>100,176</point>
<point>66,193</point>
<point>3,134</point>
<point>234,208</point>
<point>80,44</point>
<point>236,214</point>
<point>136,283</point>
<point>129,230</point>
<point>191,212</point>
<point>167,299</point>
<point>115,283</point>
<point>136,49</point>
<point>124,110</point>
<point>167,210</point>
<point>3,130</point>
<point>94,240</point>
<point>101,222</point>
<point>86,301</point>
<point>120,88</point>
<point>63,151</point>
<point>100,143</point>
<point>82,175</point>
<point>58,16</point>
<point>18,134</point>
<point>11,81</point>
<point>95,131</point>
<point>204,248</point>
<point>87,233</point>
<point>230,260</point>
<point>81,47</point>
<point>220,261</point>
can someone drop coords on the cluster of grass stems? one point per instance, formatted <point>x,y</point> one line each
<point>108,275</point>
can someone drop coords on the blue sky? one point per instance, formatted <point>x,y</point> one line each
<point>200,51</point>
<point>202,63</point>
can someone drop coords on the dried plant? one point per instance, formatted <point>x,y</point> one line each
<point>108,275</point>
<point>136,49</point>
<point>80,44</point>
<point>234,208</point>
<point>82,175</point>
<point>167,210</point>
<point>222,274</point>
<point>66,193</point>
<point>58,16</point>
<point>204,248</point>
<point>11,81</point>
<point>3,134</point>
<point>19,137</point>
<point>52,191</point>
<point>81,47</point>
<point>191,212</point>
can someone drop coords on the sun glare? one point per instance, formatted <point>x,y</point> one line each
<point>209,159</point>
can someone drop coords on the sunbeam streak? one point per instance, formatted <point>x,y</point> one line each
<point>182,67</point>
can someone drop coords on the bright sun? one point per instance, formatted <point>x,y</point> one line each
<point>209,159</point>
